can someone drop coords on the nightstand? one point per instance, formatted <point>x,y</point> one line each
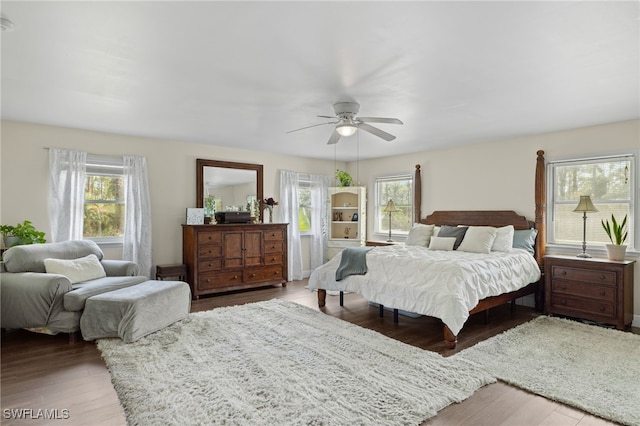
<point>594,289</point>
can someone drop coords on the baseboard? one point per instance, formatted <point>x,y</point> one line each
<point>306,274</point>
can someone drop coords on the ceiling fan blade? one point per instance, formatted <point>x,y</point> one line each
<point>375,131</point>
<point>380,120</point>
<point>335,137</point>
<point>327,116</point>
<point>313,125</point>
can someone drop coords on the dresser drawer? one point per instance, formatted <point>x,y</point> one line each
<point>273,246</point>
<point>277,234</point>
<point>566,273</point>
<point>212,237</point>
<point>574,305</point>
<point>212,280</point>
<point>595,291</point>
<point>273,259</point>
<point>210,265</point>
<point>207,250</point>
<point>268,273</point>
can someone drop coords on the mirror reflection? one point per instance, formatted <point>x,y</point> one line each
<point>229,186</point>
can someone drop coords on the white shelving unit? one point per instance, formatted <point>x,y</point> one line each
<point>347,218</point>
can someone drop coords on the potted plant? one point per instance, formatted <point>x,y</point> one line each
<point>344,178</point>
<point>618,235</point>
<point>22,233</point>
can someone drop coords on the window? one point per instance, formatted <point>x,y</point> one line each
<point>104,204</point>
<point>610,181</point>
<point>400,190</point>
<point>304,209</point>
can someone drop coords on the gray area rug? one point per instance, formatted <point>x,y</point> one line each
<point>589,367</point>
<point>278,363</point>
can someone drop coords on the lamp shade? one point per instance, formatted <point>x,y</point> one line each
<point>390,207</point>
<point>346,129</point>
<point>585,205</point>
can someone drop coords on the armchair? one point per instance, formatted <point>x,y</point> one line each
<point>51,303</point>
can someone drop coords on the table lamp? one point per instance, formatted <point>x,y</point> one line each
<point>585,206</point>
<point>390,208</point>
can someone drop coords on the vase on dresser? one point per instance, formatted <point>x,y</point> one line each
<point>616,252</point>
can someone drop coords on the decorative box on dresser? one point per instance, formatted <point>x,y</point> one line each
<point>592,288</point>
<point>229,257</point>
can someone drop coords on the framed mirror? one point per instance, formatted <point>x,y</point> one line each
<point>229,186</point>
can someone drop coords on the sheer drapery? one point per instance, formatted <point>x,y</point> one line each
<point>137,230</point>
<point>289,202</point>
<point>319,226</point>
<point>67,176</point>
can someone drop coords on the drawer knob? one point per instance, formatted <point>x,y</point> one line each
<point>208,280</point>
<point>602,308</point>
<point>563,273</point>
<point>275,272</point>
<point>273,259</point>
<point>563,302</point>
<point>209,236</point>
<point>563,287</point>
<point>273,235</point>
<point>273,247</point>
<point>603,293</point>
<point>603,277</point>
<point>253,275</point>
<point>210,251</point>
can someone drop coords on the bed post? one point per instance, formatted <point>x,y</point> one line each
<point>541,207</point>
<point>417,195</point>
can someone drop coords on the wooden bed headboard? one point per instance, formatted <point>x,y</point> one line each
<point>496,218</point>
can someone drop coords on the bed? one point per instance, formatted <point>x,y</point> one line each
<point>410,277</point>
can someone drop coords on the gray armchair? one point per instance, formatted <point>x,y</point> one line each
<point>34,299</point>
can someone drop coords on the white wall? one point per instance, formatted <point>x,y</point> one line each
<point>171,166</point>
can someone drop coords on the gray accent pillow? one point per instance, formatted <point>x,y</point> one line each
<point>454,231</point>
<point>525,239</point>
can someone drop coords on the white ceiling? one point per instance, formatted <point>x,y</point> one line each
<point>241,74</point>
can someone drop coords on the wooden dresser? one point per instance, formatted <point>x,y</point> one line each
<point>594,289</point>
<point>235,256</point>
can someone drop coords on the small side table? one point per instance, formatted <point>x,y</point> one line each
<point>178,271</point>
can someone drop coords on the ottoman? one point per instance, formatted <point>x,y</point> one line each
<point>133,312</point>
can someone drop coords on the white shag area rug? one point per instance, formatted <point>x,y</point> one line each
<point>592,368</point>
<point>280,363</point>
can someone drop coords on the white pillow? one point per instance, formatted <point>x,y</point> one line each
<point>442,243</point>
<point>419,235</point>
<point>77,270</point>
<point>504,239</point>
<point>436,230</point>
<point>478,239</point>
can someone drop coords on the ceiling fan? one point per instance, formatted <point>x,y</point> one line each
<point>347,123</point>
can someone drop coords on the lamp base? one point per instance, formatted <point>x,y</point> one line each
<point>584,255</point>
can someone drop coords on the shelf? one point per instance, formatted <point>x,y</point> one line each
<point>344,208</point>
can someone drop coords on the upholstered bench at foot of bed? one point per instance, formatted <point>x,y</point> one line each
<point>134,312</point>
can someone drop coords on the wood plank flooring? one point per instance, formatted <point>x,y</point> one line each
<point>41,372</point>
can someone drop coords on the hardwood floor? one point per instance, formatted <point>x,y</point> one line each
<point>41,372</point>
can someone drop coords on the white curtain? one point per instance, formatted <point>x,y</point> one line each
<point>137,230</point>
<point>289,202</point>
<point>319,226</point>
<point>67,176</point>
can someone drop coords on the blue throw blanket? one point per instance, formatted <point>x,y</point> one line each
<point>352,262</point>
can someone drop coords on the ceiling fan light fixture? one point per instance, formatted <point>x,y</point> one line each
<point>346,129</point>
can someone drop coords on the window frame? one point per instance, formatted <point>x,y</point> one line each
<point>634,179</point>
<point>377,232</point>
<point>102,165</point>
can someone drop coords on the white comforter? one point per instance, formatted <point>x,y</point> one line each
<point>441,284</point>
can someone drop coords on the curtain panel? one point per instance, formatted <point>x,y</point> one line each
<point>137,229</point>
<point>67,177</point>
